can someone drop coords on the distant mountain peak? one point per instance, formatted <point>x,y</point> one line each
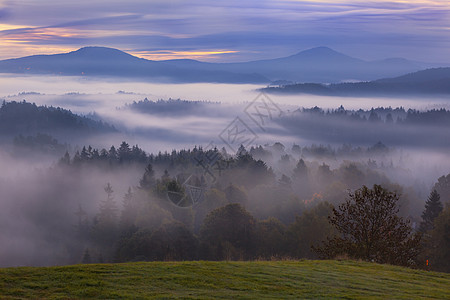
<point>322,50</point>
<point>319,64</point>
<point>322,53</point>
<point>100,52</point>
<point>96,49</point>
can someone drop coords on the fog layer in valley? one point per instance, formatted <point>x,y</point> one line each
<point>39,198</point>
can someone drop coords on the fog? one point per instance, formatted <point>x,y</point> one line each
<point>108,97</point>
<point>39,197</point>
<point>113,92</point>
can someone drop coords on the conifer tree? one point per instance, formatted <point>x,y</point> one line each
<point>148,180</point>
<point>433,207</point>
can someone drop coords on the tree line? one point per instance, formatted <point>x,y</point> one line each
<point>249,213</point>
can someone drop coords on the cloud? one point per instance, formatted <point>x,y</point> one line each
<point>254,29</point>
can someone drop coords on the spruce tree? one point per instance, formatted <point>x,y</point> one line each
<point>86,257</point>
<point>129,211</point>
<point>148,180</point>
<point>106,221</point>
<point>301,170</point>
<point>433,207</point>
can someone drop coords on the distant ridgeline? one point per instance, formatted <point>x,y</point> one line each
<point>386,115</point>
<point>428,82</point>
<point>24,118</point>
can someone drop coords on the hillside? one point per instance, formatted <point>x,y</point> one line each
<point>274,279</point>
<point>24,118</point>
<point>427,82</point>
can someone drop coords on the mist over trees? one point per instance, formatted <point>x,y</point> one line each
<point>172,107</point>
<point>154,120</point>
<point>393,126</point>
<point>124,204</point>
<point>121,203</point>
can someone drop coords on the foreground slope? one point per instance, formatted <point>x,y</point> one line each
<point>279,279</point>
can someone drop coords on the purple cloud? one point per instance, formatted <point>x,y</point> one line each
<point>256,29</point>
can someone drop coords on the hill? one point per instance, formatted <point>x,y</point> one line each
<point>429,75</point>
<point>206,280</point>
<point>321,64</point>
<point>427,82</point>
<point>102,61</point>
<point>24,118</point>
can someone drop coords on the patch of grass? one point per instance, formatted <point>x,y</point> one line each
<point>205,280</point>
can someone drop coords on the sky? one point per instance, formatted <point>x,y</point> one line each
<point>228,31</point>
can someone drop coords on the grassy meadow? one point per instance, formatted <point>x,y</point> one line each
<point>244,280</point>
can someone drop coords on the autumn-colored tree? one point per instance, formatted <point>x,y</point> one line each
<point>236,194</point>
<point>370,229</point>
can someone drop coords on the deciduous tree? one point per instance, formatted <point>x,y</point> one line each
<point>370,229</point>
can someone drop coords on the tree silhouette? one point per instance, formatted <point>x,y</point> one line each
<point>443,188</point>
<point>230,230</point>
<point>124,152</point>
<point>86,257</point>
<point>105,229</point>
<point>108,207</point>
<point>301,170</point>
<point>128,214</point>
<point>148,179</point>
<point>370,229</point>
<point>439,242</point>
<point>433,207</point>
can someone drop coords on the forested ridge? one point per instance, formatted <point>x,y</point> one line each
<point>29,119</point>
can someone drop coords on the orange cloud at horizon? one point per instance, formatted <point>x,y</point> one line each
<point>19,41</point>
<point>167,54</point>
<point>11,50</point>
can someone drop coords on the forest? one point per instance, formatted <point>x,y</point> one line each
<point>217,206</point>
<point>88,204</point>
<point>209,204</point>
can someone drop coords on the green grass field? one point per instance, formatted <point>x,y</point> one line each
<point>272,279</point>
